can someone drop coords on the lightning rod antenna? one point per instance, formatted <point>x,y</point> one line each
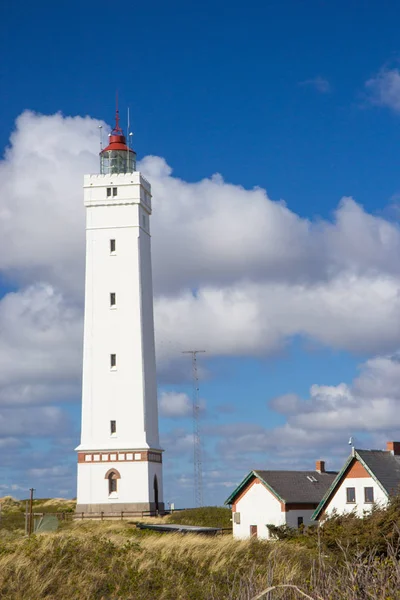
<point>197,454</point>
<point>101,137</point>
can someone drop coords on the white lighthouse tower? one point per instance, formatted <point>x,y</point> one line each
<point>119,458</point>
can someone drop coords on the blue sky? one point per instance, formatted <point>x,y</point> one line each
<point>300,99</point>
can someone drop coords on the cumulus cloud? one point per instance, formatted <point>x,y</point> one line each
<point>384,88</point>
<point>356,313</point>
<point>369,405</point>
<point>232,269</point>
<point>318,426</point>
<point>235,273</point>
<point>175,404</point>
<point>40,344</point>
<point>41,209</point>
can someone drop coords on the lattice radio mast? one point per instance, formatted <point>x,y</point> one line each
<point>197,458</point>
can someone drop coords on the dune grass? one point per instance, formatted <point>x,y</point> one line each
<point>97,560</point>
<point>115,561</point>
<point>348,559</point>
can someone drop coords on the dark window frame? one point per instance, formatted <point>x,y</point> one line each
<point>348,494</point>
<point>366,501</point>
<point>113,246</point>
<point>108,192</point>
<point>113,361</point>
<point>113,299</point>
<point>113,427</point>
<point>114,191</point>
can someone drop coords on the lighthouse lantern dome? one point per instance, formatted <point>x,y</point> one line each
<point>117,157</point>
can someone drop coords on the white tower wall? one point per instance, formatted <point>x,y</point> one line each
<point>118,208</point>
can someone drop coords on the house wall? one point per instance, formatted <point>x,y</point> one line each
<point>257,506</point>
<point>292,516</point>
<point>358,478</point>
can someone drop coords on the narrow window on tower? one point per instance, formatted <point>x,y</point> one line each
<point>113,300</point>
<point>108,192</point>
<point>113,361</point>
<point>114,191</point>
<point>112,483</point>
<point>113,427</point>
<point>112,246</point>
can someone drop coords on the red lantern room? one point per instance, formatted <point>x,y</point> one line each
<point>117,157</point>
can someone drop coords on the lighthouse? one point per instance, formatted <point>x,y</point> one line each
<point>119,457</point>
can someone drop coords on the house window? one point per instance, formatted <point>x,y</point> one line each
<point>114,192</point>
<point>368,495</point>
<point>351,495</point>
<point>108,192</point>
<point>112,482</point>
<point>112,246</point>
<point>113,427</point>
<point>300,521</point>
<point>253,531</point>
<point>113,361</point>
<point>113,300</point>
<point>236,518</point>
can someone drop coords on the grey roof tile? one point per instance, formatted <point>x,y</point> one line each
<point>385,466</point>
<point>298,486</point>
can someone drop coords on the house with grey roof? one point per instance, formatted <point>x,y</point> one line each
<point>266,498</point>
<point>368,477</point>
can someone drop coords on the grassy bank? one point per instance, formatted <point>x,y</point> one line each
<point>115,561</point>
<point>348,559</point>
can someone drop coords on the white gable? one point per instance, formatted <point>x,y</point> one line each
<point>257,507</point>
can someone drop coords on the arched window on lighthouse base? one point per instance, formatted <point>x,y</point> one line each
<point>112,477</point>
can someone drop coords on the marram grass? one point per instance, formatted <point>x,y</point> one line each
<point>348,559</point>
<point>114,561</point>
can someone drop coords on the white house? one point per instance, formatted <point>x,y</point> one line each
<point>368,478</point>
<point>277,498</point>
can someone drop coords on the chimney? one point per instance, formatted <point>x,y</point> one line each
<point>320,466</point>
<point>393,447</point>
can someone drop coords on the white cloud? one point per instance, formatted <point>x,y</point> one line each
<point>40,343</point>
<point>370,404</point>
<point>175,404</point>
<point>355,313</point>
<point>235,273</point>
<point>41,210</point>
<point>384,88</point>
<point>261,274</point>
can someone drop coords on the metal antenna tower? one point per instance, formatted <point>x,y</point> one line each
<point>197,459</point>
